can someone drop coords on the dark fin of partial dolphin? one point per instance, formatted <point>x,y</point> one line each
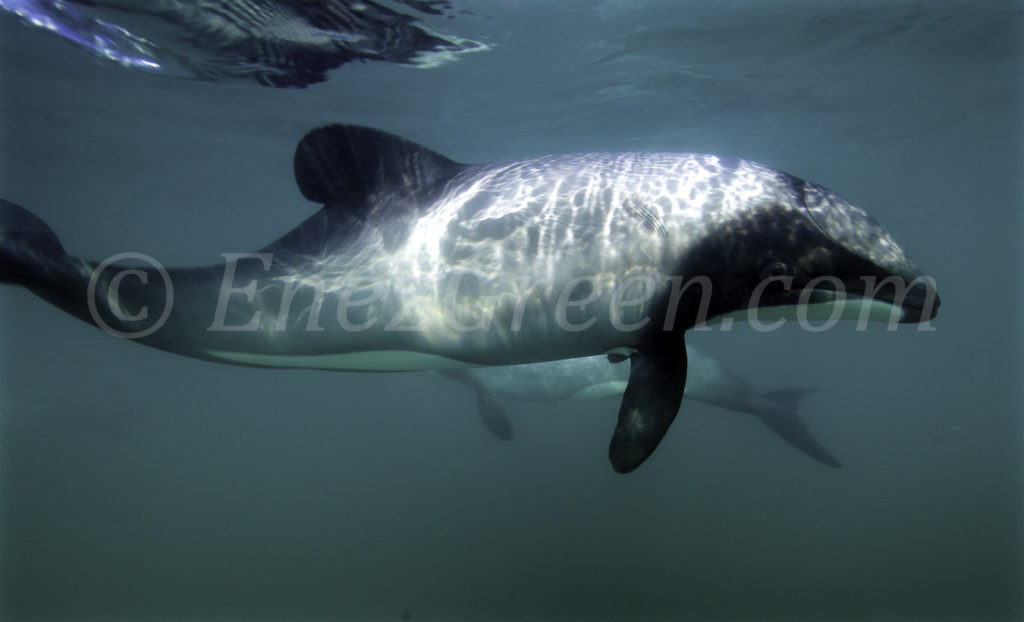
<point>344,165</point>
<point>493,416</point>
<point>657,377</point>
<point>787,424</point>
<point>30,252</point>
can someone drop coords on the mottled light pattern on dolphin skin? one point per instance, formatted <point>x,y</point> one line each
<point>515,234</point>
<point>500,242</point>
<point>852,227</point>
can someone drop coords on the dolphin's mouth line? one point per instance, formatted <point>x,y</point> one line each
<point>921,302</point>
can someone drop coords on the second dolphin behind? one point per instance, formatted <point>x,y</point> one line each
<point>594,378</point>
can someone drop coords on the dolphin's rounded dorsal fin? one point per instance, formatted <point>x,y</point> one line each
<point>344,164</point>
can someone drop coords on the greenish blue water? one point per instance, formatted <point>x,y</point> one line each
<point>137,485</point>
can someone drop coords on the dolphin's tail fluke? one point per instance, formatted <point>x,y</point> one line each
<point>781,417</point>
<point>32,256</point>
<point>30,253</point>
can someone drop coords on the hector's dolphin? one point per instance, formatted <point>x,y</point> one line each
<point>594,378</point>
<point>417,262</point>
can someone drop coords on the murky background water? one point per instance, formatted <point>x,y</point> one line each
<point>139,485</point>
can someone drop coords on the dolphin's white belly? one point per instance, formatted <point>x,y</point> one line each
<point>374,360</point>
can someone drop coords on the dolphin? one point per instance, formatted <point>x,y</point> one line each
<point>595,377</point>
<point>418,262</point>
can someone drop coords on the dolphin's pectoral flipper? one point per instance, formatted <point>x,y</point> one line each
<point>782,419</point>
<point>657,378</point>
<point>487,407</point>
<point>493,415</point>
<point>351,167</point>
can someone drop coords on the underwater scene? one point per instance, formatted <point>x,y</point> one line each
<point>425,310</point>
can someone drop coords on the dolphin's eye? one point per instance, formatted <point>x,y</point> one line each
<point>775,268</point>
